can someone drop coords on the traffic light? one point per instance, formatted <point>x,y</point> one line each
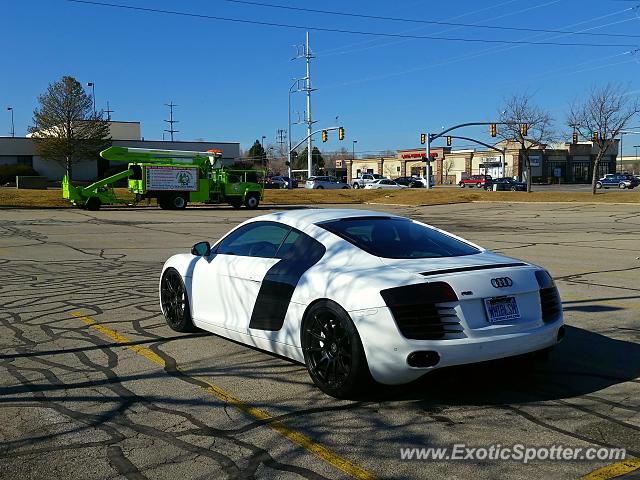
<point>595,136</point>
<point>325,136</point>
<point>423,138</point>
<point>574,137</point>
<point>448,141</point>
<point>524,129</point>
<point>341,133</point>
<point>492,129</point>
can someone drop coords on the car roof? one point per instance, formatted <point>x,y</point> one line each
<point>310,216</point>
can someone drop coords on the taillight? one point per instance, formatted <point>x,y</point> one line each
<point>544,279</point>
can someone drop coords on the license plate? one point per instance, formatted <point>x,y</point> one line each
<point>500,309</point>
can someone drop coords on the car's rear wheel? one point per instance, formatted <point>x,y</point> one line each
<point>175,301</point>
<point>356,186</point>
<point>461,184</point>
<point>479,185</point>
<point>333,351</point>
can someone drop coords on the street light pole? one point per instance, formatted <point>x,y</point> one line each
<point>13,128</point>
<point>636,147</point>
<point>295,83</point>
<point>93,94</point>
<point>353,150</point>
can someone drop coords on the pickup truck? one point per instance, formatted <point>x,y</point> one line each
<point>365,178</point>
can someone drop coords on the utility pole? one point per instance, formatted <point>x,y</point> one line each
<point>108,112</point>
<point>304,51</point>
<point>171,121</point>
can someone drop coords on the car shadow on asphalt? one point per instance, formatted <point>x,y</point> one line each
<point>584,363</point>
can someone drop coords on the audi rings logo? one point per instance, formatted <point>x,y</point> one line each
<point>501,282</point>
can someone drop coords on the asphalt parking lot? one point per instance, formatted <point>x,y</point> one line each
<point>94,385</point>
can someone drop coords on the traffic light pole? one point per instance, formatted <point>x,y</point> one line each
<point>432,136</point>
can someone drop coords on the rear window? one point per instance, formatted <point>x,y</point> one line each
<point>397,238</point>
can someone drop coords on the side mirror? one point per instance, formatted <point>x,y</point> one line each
<point>201,249</point>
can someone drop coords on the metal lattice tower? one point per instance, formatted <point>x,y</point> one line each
<point>171,121</point>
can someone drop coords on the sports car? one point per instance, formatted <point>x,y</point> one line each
<point>359,296</point>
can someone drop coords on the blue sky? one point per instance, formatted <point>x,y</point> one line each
<point>231,79</point>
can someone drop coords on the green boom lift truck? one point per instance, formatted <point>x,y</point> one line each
<point>173,177</point>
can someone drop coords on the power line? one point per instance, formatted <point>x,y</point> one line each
<point>353,32</point>
<point>426,22</point>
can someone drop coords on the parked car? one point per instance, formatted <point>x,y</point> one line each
<point>474,181</point>
<point>365,178</point>
<point>383,183</point>
<point>411,182</point>
<point>506,183</point>
<point>276,181</point>
<point>615,180</point>
<point>319,183</point>
<point>420,298</point>
<point>294,182</point>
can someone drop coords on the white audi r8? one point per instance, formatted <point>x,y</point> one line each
<point>359,295</point>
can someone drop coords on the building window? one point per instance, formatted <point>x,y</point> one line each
<point>398,169</point>
<point>25,160</point>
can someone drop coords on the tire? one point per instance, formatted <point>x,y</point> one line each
<point>461,184</point>
<point>345,188</point>
<point>338,365</point>
<point>513,189</point>
<point>622,186</point>
<point>175,302</point>
<point>356,185</point>
<point>235,202</point>
<point>93,204</point>
<point>479,185</point>
<point>177,201</point>
<point>252,200</point>
<point>598,185</point>
<point>320,187</point>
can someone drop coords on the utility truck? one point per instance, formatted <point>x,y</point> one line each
<point>173,177</point>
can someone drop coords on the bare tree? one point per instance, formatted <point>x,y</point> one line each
<point>447,166</point>
<point>517,111</point>
<point>600,119</point>
<point>66,128</point>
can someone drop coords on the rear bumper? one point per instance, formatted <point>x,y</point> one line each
<point>387,350</point>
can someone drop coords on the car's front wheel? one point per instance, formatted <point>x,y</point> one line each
<point>622,186</point>
<point>333,351</point>
<point>598,185</point>
<point>175,301</point>
<point>461,184</point>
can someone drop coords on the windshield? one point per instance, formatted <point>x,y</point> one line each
<point>397,238</point>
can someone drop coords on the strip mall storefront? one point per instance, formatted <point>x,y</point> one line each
<point>560,163</point>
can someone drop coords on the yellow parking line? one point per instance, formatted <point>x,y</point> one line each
<point>615,470</point>
<point>297,438</point>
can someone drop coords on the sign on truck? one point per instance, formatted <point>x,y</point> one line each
<point>171,178</point>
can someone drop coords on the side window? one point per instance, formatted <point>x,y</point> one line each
<point>259,239</point>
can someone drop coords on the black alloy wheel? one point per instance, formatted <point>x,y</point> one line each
<point>333,352</point>
<point>175,302</point>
